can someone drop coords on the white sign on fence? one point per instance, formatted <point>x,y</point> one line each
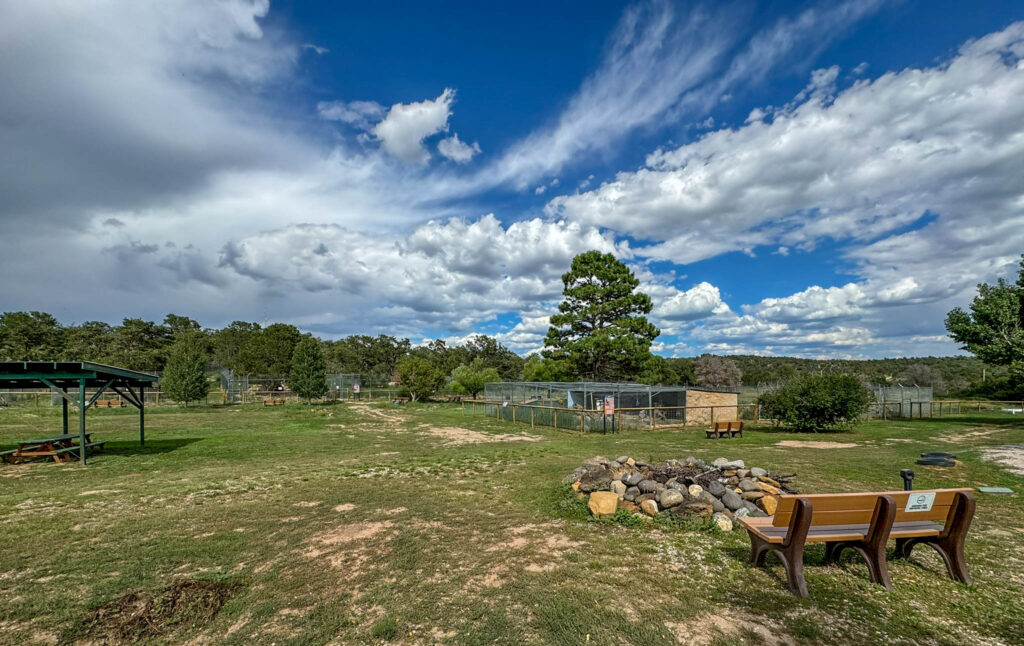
<point>355,388</point>
<point>920,501</point>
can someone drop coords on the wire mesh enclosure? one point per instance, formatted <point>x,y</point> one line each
<point>343,386</point>
<point>588,395</point>
<point>903,401</point>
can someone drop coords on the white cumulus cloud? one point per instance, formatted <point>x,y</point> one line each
<point>406,125</point>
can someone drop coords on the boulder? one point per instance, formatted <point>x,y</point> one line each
<point>767,488</point>
<point>618,489</point>
<point>733,481</point>
<point>752,496</point>
<point>724,522</point>
<point>695,490</point>
<point>732,500</point>
<point>716,504</point>
<point>770,504</point>
<point>670,498</point>
<point>649,507</point>
<point>629,506</point>
<point>648,486</point>
<point>743,473</point>
<point>719,462</point>
<point>770,481</point>
<point>751,507</point>
<point>622,459</point>
<point>632,493</point>
<point>644,496</point>
<point>742,512</point>
<point>597,461</point>
<point>574,476</point>
<point>758,472</point>
<point>640,464</point>
<point>631,462</point>
<point>603,503</point>
<point>597,479</point>
<point>716,488</point>
<point>746,484</point>
<point>632,479</point>
<point>699,509</point>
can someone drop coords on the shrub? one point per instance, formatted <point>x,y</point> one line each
<point>817,402</point>
<point>184,378</point>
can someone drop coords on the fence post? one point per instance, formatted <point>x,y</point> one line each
<point>654,419</point>
<point>581,421</point>
<point>531,416</point>
<point>514,413</point>
<point>554,414</point>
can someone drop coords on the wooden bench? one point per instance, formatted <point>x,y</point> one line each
<point>725,429</point>
<point>864,522</point>
<point>56,447</point>
<point>109,403</point>
<point>273,402</point>
<point>401,400</point>
<point>72,451</point>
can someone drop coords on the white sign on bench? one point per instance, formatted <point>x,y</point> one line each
<point>920,501</point>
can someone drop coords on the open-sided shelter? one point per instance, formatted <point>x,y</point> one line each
<point>71,380</point>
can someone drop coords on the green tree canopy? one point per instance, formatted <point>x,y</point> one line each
<point>308,375</point>
<point>27,336</point>
<point>184,378</point>
<point>817,402</point>
<point>601,329</point>
<point>537,368</point>
<point>993,329</point>
<point>419,377</point>
<point>473,376</point>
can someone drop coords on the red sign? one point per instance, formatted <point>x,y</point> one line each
<point>609,404</point>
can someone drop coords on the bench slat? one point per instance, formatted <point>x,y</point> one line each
<point>845,508</point>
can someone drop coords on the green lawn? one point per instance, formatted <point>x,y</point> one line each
<point>356,524</point>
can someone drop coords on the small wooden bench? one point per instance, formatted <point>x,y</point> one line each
<point>72,451</point>
<point>864,522</point>
<point>725,429</point>
<point>273,402</point>
<point>108,403</point>
<point>401,400</point>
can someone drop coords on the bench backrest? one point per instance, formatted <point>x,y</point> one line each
<point>721,426</point>
<point>735,426</point>
<point>857,508</point>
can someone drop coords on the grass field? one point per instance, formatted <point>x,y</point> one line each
<point>361,524</point>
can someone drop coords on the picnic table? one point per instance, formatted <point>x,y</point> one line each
<point>59,447</point>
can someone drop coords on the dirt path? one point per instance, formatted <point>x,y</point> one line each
<point>376,413</point>
<point>1011,457</point>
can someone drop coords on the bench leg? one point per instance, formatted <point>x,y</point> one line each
<point>792,558</point>
<point>950,544</point>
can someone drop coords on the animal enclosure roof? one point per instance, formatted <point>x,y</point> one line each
<point>604,386</point>
<point>35,374</point>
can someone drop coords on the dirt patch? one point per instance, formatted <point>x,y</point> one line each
<point>344,507</point>
<point>350,533</point>
<point>142,614</point>
<point>705,629</point>
<point>800,444</point>
<point>970,434</point>
<point>308,503</point>
<point>95,492</point>
<point>384,415</point>
<point>1011,457</point>
<point>455,436</point>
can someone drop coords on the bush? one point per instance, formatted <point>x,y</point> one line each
<point>817,402</point>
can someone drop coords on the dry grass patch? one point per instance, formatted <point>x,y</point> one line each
<point>802,444</point>
<point>456,436</point>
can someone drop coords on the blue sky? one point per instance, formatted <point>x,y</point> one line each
<point>813,179</point>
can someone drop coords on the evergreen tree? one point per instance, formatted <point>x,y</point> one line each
<point>308,376</point>
<point>601,329</point>
<point>185,374</point>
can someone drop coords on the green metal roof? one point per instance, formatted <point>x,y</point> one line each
<point>29,374</point>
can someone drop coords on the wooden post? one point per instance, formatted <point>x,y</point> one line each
<point>654,418</point>
<point>81,421</point>
<point>514,413</point>
<point>142,414</point>
<point>581,422</point>
<point>554,413</point>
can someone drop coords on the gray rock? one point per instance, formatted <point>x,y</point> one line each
<point>619,489</point>
<point>632,494</point>
<point>746,484</point>
<point>724,523</point>
<point>719,462</point>
<point>670,498</point>
<point>622,459</point>
<point>742,512</point>
<point>722,463</point>
<point>647,486</point>
<point>596,461</point>
<point>658,487</point>
<point>757,472</point>
<point>640,464</point>
<point>750,507</point>
<point>574,476</point>
<point>691,460</point>
<point>597,479</point>
<point>743,473</point>
<point>716,488</point>
<point>679,486</point>
<point>732,500</point>
<point>701,464</point>
<point>632,479</point>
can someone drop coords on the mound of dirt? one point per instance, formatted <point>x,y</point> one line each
<point>141,614</point>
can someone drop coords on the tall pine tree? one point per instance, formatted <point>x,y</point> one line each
<point>184,378</point>
<point>601,330</point>
<point>308,376</point>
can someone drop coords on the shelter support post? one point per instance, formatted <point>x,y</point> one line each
<point>142,415</point>
<point>64,411</point>
<point>81,421</point>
